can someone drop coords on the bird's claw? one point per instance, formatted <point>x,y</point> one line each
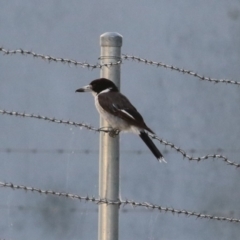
<point>113,133</point>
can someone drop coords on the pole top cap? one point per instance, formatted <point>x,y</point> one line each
<point>111,39</point>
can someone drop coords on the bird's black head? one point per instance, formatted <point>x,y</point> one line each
<point>98,86</point>
<point>102,84</point>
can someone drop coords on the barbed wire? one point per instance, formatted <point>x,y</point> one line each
<point>55,59</point>
<point>132,203</point>
<point>120,202</point>
<point>184,71</point>
<point>28,208</point>
<point>89,127</point>
<point>124,57</point>
<point>92,151</point>
<point>67,122</point>
<point>191,158</point>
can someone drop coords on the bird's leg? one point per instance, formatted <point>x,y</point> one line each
<point>114,132</point>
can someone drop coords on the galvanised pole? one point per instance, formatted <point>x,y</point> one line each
<point>111,43</point>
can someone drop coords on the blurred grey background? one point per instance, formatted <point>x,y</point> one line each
<point>203,36</point>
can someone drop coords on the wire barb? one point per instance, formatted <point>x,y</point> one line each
<point>194,74</point>
<point>67,122</point>
<point>88,127</point>
<point>191,158</point>
<point>124,57</point>
<point>120,202</point>
<point>91,151</point>
<point>55,59</point>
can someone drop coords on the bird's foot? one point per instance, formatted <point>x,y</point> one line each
<point>114,132</point>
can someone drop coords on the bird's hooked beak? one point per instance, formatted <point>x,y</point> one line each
<point>87,88</point>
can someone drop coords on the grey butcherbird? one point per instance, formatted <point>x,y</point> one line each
<point>117,110</point>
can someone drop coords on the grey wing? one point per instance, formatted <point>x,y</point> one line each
<point>117,104</point>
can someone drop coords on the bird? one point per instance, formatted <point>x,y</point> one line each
<point>118,111</point>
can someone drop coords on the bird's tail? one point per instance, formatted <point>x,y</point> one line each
<point>144,136</point>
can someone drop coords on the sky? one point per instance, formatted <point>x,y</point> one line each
<point>198,116</point>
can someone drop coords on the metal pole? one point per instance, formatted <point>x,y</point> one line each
<point>109,147</point>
